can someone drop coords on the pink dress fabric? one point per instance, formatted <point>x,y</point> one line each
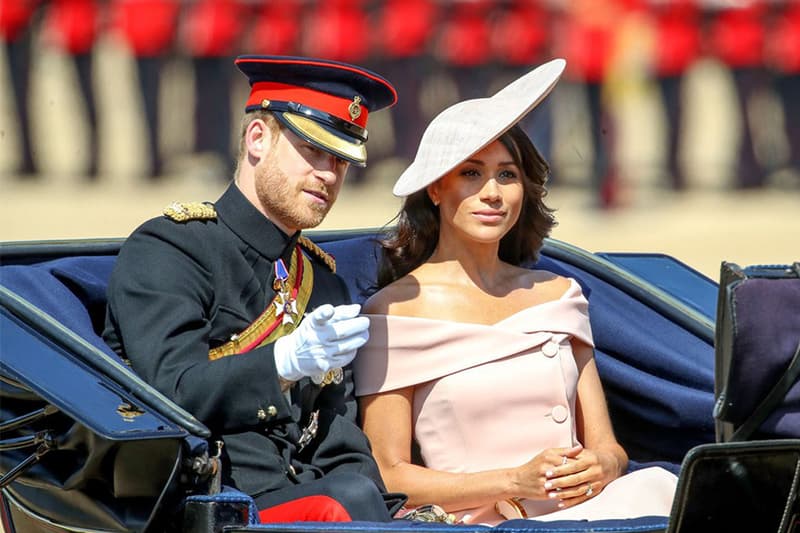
<point>493,396</point>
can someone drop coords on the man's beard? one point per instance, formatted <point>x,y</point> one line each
<point>279,198</point>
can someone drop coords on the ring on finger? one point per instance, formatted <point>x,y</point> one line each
<point>564,460</point>
<point>589,489</point>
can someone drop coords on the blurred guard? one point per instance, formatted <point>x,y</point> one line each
<point>73,26</point>
<point>210,32</point>
<point>783,53</point>
<point>402,41</point>
<point>16,32</point>
<point>463,46</point>
<point>736,37</point>
<point>230,312</point>
<point>677,26</point>
<point>148,27</point>
<point>521,37</point>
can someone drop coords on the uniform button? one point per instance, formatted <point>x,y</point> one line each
<point>559,413</point>
<point>292,470</point>
<point>550,349</point>
<point>268,413</point>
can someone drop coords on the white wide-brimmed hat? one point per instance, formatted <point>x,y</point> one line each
<point>469,126</point>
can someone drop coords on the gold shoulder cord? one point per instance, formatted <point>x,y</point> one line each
<point>186,211</point>
<point>312,247</point>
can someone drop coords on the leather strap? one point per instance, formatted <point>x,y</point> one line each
<point>771,401</point>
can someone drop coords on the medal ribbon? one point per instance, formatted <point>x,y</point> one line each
<point>270,325</point>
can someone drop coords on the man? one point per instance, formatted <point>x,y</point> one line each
<point>230,312</point>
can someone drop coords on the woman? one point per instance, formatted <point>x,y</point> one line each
<point>486,365</point>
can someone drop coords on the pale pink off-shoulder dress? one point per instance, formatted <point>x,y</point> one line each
<point>493,396</point>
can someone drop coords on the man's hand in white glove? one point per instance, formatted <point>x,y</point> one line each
<point>327,338</point>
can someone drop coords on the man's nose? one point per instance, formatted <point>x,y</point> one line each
<point>327,168</point>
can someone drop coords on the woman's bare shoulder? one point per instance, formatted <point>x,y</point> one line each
<point>550,283</point>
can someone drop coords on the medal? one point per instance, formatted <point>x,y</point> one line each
<point>285,305</point>
<point>310,431</point>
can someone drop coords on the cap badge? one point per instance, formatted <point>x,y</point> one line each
<point>355,108</point>
<point>265,103</point>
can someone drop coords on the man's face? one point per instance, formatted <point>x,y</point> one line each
<point>298,183</point>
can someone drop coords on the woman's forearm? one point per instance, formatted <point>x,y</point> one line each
<point>452,491</point>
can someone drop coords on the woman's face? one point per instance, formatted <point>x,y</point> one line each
<point>482,197</point>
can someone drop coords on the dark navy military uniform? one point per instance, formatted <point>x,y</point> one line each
<point>182,288</point>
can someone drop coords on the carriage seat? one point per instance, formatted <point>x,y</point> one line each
<point>72,290</point>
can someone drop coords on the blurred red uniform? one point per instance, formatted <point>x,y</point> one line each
<point>337,30</point>
<point>212,27</point>
<point>678,44</point>
<point>149,28</point>
<point>16,21</point>
<point>783,38</point>
<point>401,42</point>
<point>587,42</point>
<point>276,30</point>
<point>520,33</point>
<point>15,16</point>
<point>520,40</point>
<point>783,57</point>
<point>677,27</point>
<point>73,26</point>
<point>211,33</point>
<point>736,38</point>
<point>404,27</point>
<point>463,46</point>
<point>736,34</point>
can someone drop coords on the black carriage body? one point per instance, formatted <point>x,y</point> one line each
<point>109,453</point>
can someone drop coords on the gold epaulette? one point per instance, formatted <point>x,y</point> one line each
<point>328,259</point>
<point>185,211</point>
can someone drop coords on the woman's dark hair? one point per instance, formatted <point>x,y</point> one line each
<point>416,234</point>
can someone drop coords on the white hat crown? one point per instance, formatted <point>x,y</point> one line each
<point>470,125</point>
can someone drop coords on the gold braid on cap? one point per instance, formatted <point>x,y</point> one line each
<point>312,247</point>
<point>185,211</point>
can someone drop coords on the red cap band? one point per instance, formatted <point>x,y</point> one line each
<point>334,105</point>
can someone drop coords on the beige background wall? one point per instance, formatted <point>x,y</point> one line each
<point>704,226</point>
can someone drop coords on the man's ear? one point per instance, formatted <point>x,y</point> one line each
<point>258,138</point>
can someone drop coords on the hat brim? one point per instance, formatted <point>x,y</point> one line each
<point>326,138</point>
<point>467,127</point>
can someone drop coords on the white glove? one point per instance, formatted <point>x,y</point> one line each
<point>327,338</point>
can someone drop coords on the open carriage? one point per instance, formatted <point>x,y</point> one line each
<point>85,445</point>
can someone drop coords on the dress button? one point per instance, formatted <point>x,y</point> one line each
<point>550,349</point>
<point>559,413</point>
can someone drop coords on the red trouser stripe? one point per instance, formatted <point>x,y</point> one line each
<point>308,509</point>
